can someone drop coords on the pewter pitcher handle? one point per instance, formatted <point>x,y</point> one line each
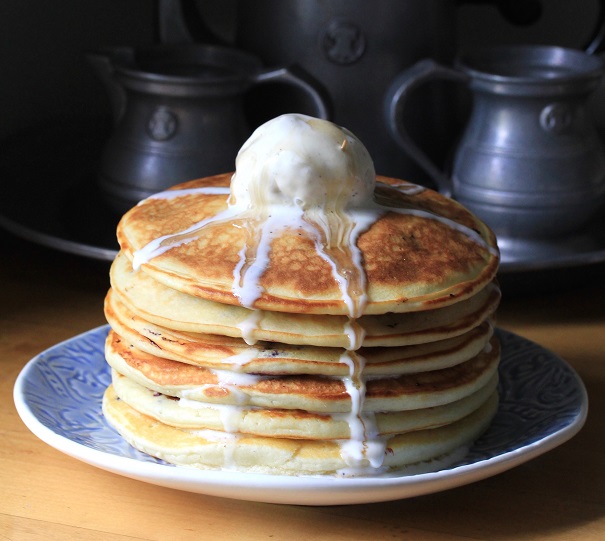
<point>103,61</point>
<point>402,86</point>
<point>297,77</point>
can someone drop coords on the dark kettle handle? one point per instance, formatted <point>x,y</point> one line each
<point>407,81</point>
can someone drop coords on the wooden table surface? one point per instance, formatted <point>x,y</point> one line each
<point>47,296</point>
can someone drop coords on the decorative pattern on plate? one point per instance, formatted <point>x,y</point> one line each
<point>74,375</point>
<point>58,395</point>
<point>539,396</point>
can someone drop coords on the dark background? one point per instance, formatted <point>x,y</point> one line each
<point>43,72</point>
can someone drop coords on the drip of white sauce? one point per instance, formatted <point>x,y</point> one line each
<point>232,381</point>
<point>230,415</point>
<point>230,418</point>
<point>363,448</point>
<point>335,237</point>
<point>250,325</point>
<point>237,362</point>
<point>164,243</point>
<point>228,441</point>
<point>254,255</point>
<point>355,333</point>
<point>173,194</point>
<point>228,378</point>
<point>215,435</point>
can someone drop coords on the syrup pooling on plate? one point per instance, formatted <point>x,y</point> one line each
<point>303,174</point>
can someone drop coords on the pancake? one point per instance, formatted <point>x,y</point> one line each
<point>404,264</point>
<point>302,315</point>
<point>221,352</point>
<point>166,307</point>
<point>282,423</point>
<point>306,392</point>
<point>209,449</point>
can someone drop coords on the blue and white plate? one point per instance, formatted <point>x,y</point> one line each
<point>58,396</point>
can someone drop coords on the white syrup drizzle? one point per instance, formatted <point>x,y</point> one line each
<point>205,190</point>
<point>364,451</point>
<point>355,333</point>
<point>250,325</point>
<point>254,255</point>
<point>232,381</point>
<point>230,415</point>
<point>228,442</point>
<point>237,362</point>
<point>164,243</point>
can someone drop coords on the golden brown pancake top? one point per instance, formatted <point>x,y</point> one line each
<point>411,262</point>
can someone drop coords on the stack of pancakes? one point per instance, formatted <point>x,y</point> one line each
<point>299,342</point>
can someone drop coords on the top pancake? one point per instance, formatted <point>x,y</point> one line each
<point>421,251</point>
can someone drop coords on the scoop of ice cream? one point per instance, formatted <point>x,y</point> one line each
<point>301,161</point>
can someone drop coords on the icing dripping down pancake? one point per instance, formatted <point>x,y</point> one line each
<point>304,246</point>
<point>306,228</point>
<point>154,302</point>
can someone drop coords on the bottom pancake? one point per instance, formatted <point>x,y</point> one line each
<point>212,449</point>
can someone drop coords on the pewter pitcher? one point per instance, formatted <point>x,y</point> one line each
<point>179,113</point>
<point>529,162</point>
